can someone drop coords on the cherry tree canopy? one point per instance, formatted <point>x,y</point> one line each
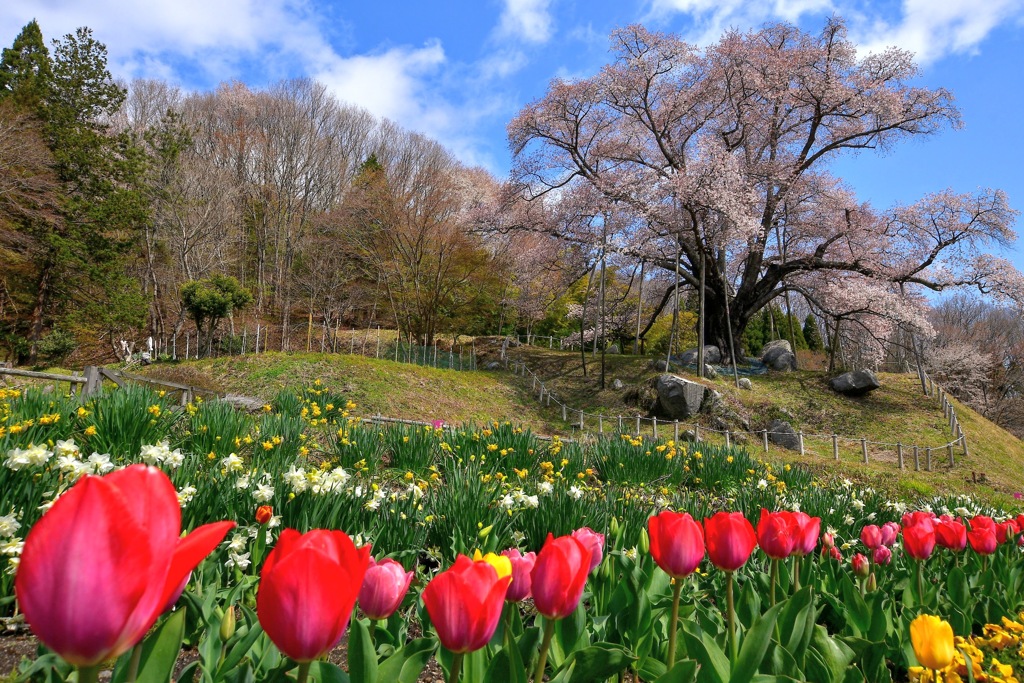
<point>720,156</point>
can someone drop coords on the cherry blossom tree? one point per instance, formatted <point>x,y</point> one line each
<point>721,157</point>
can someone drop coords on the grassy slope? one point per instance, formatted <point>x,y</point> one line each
<point>897,412</point>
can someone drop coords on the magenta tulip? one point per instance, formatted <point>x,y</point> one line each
<point>890,532</point>
<point>883,555</point>
<point>102,564</point>
<point>593,541</point>
<point>871,536</point>
<point>808,529</point>
<point>384,585</point>
<point>522,566</point>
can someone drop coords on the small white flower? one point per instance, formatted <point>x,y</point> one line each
<point>545,487</point>
<point>12,565</point>
<point>12,547</point>
<point>857,504</point>
<point>186,495</point>
<point>174,459</point>
<point>264,493</point>
<point>508,502</point>
<point>99,463</point>
<point>373,504</point>
<point>242,483</point>
<point>232,463</point>
<point>66,448</point>
<point>962,512</point>
<point>240,560</point>
<point>575,492</point>
<point>871,517</point>
<point>236,544</point>
<point>762,483</point>
<point>295,477</point>
<point>152,454</point>
<point>9,525</point>
<point>848,520</point>
<point>70,465</point>
<point>531,501</point>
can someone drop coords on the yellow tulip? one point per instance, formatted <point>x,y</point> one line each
<point>501,564</point>
<point>932,639</point>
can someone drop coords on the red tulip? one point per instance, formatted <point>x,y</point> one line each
<point>951,534</point>
<point>559,576</point>
<point>308,588</point>
<point>384,585</point>
<point>883,555</point>
<point>808,529</point>
<point>264,513</point>
<point>100,566</point>
<point>776,533</point>
<point>890,532</point>
<point>871,536</point>
<point>983,540</point>
<point>677,542</point>
<point>1006,531</point>
<point>919,517</point>
<point>592,540</point>
<point>980,521</point>
<point>730,539</point>
<point>834,553</point>
<point>522,565</point>
<point>919,540</point>
<point>860,565</point>
<point>465,603</point>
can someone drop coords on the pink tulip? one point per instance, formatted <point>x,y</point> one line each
<point>102,564</point>
<point>559,576</point>
<point>890,532</point>
<point>593,541</point>
<point>871,536</point>
<point>883,555</point>
<point>384,585</point>
<point>808,529</point>
<point>522,566</point>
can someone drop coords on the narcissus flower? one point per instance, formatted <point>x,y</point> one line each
<point>465,603</point>
<point>308,587</point>
<point>932,639</point>
<point>105,560</point>
<point>677,542</point>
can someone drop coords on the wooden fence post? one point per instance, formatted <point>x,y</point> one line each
<point>800,438</point>
<point>928,459</point>
<point>564,416</point>
<point>728,439</point>
<point>864,449</point>
<point>835,447</point>
<point>93,382</point>
<point>764,435</point>
<point>675,431</point>
<point>696,432</point>
<point>620,425</point>
<point>952,461</point>
<point>654,427</point>
<point>917,460</point>
<point>899,454</point>
<point>638,426</point>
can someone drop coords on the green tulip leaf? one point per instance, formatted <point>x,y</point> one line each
<point>241,648</point>
<point>594,663</point>
<point>684,671</point>
<point>507,667</point>
<point>159,652</point>
<point>325,672</point>
<point>754,645</point>
<point>362,657</point>
<point>406,665</point>
<point>714,665</point>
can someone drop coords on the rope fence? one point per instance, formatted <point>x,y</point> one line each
<point>905,455</point>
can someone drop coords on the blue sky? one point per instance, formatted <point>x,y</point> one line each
<point>458,71</point>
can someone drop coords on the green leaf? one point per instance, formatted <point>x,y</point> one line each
<point>240,649</point>
<point>325,672</point>
<point>956,586</point>
<point>362,658</point>
<point>595,663</point>
<point>507,667</point>
<point>406,665</point>
<point>835,655</point>
<point>856,609</point>
<point>684,671</point>
<point>714,665</point>
<point>754,645</point>
<point>793,622</point>
<point>159,652</point>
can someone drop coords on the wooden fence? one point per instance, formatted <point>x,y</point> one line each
<point>90,381</point>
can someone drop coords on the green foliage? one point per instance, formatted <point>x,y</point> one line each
<point>212,299</point>
<point>812,334</point>
<point>759,330</point>
<point>57,345</point>
<point>25,69</point>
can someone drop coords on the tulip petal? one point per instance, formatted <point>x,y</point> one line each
<point>190,551</point>
<point>84,569</point>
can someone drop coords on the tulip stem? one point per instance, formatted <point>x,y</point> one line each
<point>89,674</point>
<point>920,581</point>
<point>506,622</point>
<point>303,675</point>
<point>734,649</point>
<point>677,588</point>
<point>133,664</point>
<point>549,630</point>
<point>373,630</point>
<point>796,573</point>
<point>774,580</point>
<point>453,676</point>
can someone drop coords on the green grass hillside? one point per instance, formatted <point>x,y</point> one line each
<point>898,412</point>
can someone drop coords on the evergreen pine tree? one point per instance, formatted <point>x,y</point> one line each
<point>812,334</point>
<point>25,69</point>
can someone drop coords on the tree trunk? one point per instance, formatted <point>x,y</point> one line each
<point>43,292</point>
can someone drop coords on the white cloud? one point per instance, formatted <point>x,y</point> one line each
<point>528,20</point>
<point>932,29</point>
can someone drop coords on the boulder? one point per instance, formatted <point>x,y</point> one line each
<point>710,372</point>
<point>246,403</point>
<point>778,355</point>
<point>660,365</point>
<point>617,384</point>
<point>783,434</point>
<point>855,383</point>
<point>678,398</point>
<point>614,348</point>
<point>712,355</point>
<point>746,384</point>
<point>493,365</point>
